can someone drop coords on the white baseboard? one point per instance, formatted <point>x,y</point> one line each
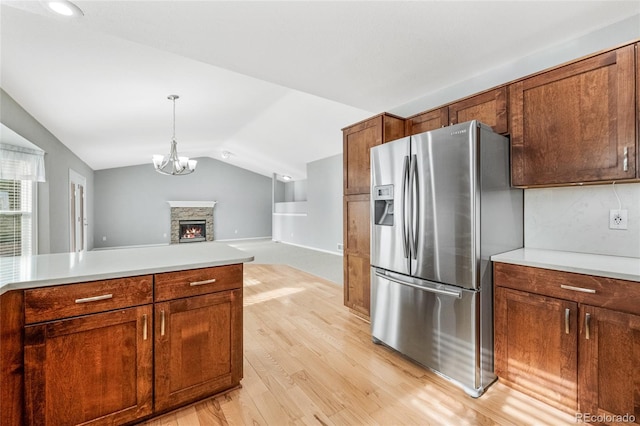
<point>245,239</point>
<point>337,253</point>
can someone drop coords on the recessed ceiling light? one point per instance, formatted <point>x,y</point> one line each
<point>285,177</point>
<point>64,7</point>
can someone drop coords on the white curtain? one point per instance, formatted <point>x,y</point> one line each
<point>20,163</point>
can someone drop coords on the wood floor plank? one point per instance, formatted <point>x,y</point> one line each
<point>308,361</point>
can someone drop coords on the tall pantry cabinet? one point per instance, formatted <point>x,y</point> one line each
<point>358,140</point>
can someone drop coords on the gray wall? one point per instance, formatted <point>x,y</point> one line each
<point>53,195</point>
<point>324,202</point>
<point>321,227</point>
<point>132,205</point>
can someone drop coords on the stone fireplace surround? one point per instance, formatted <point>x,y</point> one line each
<point>191,210</point>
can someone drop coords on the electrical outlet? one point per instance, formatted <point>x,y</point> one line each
<point>618,219</point>
<point>340,247</point>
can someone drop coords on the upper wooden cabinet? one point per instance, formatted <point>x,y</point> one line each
<point>575,123</point>
<point>426,121</point>
<point>358,141</point>
<point>488,107</point>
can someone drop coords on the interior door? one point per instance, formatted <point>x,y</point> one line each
<point>78,209</point>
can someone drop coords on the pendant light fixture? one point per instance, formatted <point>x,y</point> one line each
<point>172,164</point>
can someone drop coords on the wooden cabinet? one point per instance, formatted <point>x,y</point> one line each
<point>570,340</point>
<point>96,368</point>
<point>116,351</point>
<point>357,142</point>
<point>198,339</point>
<point>534,351</point>
<point>609,362</point>
<point>576,123</point>
<point>357,277</point>
<point>488,107</point>
<point>429,120</point>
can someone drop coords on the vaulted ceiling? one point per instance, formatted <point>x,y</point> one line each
<point>270,82</point>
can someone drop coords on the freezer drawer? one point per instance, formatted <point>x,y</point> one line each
<point>436,325</point>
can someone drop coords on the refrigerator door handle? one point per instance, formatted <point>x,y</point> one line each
<point>405,225</point>
<point>453,293</point>
<point>415,206</point>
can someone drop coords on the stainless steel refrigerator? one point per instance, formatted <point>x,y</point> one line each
<point>441,205</point>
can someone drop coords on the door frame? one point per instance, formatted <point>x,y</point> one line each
<point>75,180</point>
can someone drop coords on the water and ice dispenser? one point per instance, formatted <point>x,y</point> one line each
<point>383,205</point>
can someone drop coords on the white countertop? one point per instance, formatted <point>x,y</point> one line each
<point>50,269</point>
<point>625,268</point>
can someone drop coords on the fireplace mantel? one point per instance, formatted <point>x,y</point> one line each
<point>210,204</point>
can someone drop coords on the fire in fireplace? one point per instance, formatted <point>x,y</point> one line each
<point>193,230</point>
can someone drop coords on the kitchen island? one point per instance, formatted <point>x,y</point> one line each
<point>117,336</point>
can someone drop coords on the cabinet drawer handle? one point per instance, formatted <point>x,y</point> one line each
<point>587,324</point>
<point>144,327</point>
<point>196,283</point>
<point>94,298</point>
<point>580,289</point>
<point>567,312</point>
<point>162,322</point>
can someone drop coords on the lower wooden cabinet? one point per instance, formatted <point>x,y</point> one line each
<point>357,281</point>
<point>556,341</point>
<point>95,369</point>
<point>198,347</point>
<point>535,344</point>
<point>609,363</point>
<point>117,351</point>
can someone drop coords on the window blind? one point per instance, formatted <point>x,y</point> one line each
<point>16,217</point>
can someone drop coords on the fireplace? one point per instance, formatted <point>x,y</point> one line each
<point>191,221</point>
<point>192,231</point>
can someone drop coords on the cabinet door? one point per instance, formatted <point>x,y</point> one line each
<point>609,364</point>
<point>96,369</point>
<point>575,123</point>
<point>357,142</point>
<point>489,108</point>
<point>536,346</point>
<point>426,121</point>
<point>198,347</point>
<point>357,294</point>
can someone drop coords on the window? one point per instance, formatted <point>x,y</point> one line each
<point>17,217</point>
<point>21,168</point>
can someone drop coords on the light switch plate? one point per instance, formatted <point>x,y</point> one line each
<point>618,219</point>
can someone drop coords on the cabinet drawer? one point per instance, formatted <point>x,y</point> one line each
<point>63,301</point>
<point>620,295</point>
<point>173,285</point>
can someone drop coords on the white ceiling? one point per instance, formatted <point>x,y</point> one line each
<point>271,82</point>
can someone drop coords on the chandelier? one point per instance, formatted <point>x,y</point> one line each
<point>172,164</point>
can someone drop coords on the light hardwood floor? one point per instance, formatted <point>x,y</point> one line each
<point>308,361</point>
